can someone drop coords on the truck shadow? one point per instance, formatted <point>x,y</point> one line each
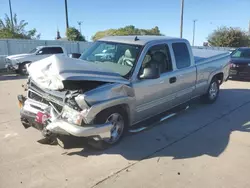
<point>202,130</point>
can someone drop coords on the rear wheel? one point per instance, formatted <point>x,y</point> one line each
<point>212,92</point>
<point>118,117</point>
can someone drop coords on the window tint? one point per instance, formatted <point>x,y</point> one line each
<point>181,54</point>
<point>241,53</point>
<point>158,54</point>
<point>51,50</point>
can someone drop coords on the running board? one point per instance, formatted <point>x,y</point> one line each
<point>139,129</point>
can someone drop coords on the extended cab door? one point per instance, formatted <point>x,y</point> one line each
<point>185,71</point>
<point>154,96</point>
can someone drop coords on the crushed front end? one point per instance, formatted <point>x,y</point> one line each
<point>62,112</point>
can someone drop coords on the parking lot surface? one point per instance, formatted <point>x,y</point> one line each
<point>205,146</point>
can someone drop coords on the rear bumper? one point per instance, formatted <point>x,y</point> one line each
<point>235,73</point>
<point>56,125</point>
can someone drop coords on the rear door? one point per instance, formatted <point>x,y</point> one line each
<point>185,71</point>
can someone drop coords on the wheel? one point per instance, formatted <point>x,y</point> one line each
<point>22,68</point>
<point>212,92</point>
<point>118,117</point>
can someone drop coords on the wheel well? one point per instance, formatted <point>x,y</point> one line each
<point>219,77</point>
<point>123,107</point>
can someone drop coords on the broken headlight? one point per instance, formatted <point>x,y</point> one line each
<point>80,100</point>
<point>71,115</point>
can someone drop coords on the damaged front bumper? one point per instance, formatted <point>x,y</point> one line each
<point>11,67</point>
<point>55,124</point>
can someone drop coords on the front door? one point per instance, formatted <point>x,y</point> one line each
<point>154,96</point>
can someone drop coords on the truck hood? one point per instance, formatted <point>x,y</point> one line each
<point>18,56</point>
<point>49,73</point>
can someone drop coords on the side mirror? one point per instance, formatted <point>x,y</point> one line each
<point>74,55</point>
<point>151,72</point>
<point>39,52</point>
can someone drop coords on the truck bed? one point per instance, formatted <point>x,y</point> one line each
<point>205,55</point>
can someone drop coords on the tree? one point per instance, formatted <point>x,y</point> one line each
<point>74,35</point>
<point>127,30</point>
<point>228,37</point>
<point>18,31</point>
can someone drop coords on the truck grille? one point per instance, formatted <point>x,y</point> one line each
<point>42,96</point>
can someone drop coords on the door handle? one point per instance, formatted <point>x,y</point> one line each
<point>172,80</point>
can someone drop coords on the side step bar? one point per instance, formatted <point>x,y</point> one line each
<point>140,128</point>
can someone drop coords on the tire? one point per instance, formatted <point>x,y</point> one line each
<point>22,68</point>
<point>212,92</point>
<point>120,119</point>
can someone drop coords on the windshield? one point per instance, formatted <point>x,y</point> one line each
<point>116,57</point>
<point>241,53</point>
<point>33,51</point>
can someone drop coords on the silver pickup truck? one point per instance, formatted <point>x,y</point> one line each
<point>102,96</point>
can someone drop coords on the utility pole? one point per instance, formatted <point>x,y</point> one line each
<point>66,13</point>
<point>194,31</point>
<point>80,26</point>
<point>11,17</point>
<point>181,24</point>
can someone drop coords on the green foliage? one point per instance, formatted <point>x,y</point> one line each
<point>128,30</point>
<point>18,31</point>
<point>74,35</point>
<point>228,37</point>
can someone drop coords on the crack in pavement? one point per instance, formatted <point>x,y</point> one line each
<point>172,143</point>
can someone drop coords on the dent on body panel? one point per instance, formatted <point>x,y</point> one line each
<point>108,92</point>
<point>107,96</point>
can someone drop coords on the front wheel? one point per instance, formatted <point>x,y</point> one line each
<point>212,92</point>
<point>22,68</point>
<point>118,117</point>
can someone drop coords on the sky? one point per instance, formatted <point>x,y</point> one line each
<point>48,15</point>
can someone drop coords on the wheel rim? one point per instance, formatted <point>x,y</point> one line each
<point>116,132</point>
<point>213,91</point>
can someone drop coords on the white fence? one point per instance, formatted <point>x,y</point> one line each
<point>15,46</point>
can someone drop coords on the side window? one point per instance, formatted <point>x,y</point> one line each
<point>159,54</point>
<point>54,50</point>
<point>181,54</point>
<point>50,50</point>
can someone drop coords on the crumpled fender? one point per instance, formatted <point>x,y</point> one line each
<point>108,96</point>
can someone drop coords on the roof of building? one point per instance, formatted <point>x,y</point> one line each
<point>139,40</point>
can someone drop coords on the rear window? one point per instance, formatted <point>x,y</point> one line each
<point>182,56</point>
<point>241,53</point>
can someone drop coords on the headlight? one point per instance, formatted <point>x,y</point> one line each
<point>71,115</point>
<point>81,101</point>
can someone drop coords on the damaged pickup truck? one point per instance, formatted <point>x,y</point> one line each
<point>101,97</point>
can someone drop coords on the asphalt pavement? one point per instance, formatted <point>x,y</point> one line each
<point>205,146</point>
